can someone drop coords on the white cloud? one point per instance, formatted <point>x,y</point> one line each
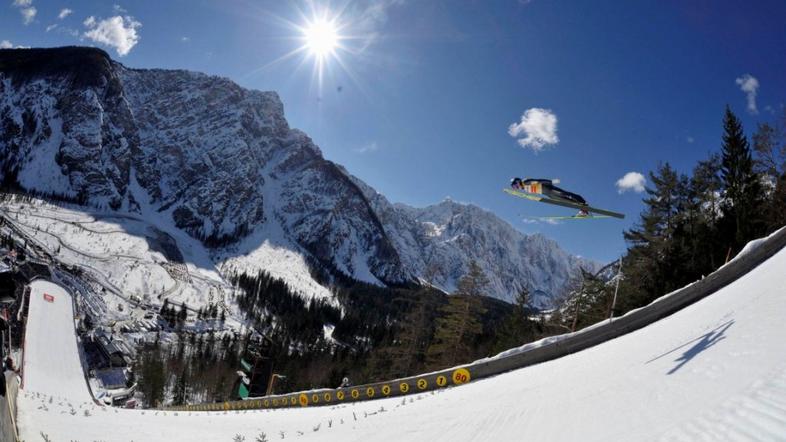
<point>5,44</point>
<point>750,85</point>
<point>370,19</point>
<point>370,147</point>
<point>50,27</point>
<point>690,139</point>
<point>28,14</point>
<point>119,9</point>
<point>27,10</point>
<point>537,128</point>
<point>632,181</point>
<point>65,12</point>
<point>117,32</point>
<point>185,39</point>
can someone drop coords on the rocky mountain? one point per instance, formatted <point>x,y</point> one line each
<point>223,165</point>
<point>439,241</point>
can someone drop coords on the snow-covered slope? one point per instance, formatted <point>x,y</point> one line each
<point>712,371</point>
<point>221,163</point>
<point>53,355</point>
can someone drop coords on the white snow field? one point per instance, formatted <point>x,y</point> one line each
<point>51,357</point>
<point>713,371</point>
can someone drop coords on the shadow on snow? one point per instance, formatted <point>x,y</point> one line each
<point>699,345</point>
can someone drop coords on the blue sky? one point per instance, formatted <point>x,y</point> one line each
<point>421,102</point>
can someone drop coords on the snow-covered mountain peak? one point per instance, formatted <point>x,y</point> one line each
<point>222,164</point>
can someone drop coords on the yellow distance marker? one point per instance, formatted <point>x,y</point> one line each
<point>370,392</point>
<point>422,384</point>
<point>403,387</point>
<point>461,376</point>
<point>293,400</point>
<point>386,390</point>
<point>340,395</point>
<point>303,399</point>
<point>442,381</point>
<point>355,394</point>
<point>275,402</point>
<point>315,398</point>
<point>326,397</point>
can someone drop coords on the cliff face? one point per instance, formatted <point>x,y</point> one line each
<point>438,242</point>
<point>221,161</point>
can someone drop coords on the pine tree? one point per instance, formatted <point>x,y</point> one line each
<point>460,324</point>
<point>516,329</point>
<point>171,315</point>
<point>150,369</point>
<point>743,192</point>
<point>407,353</point>
<point>651,259</point>
<point>698,228</point>
<point>474,283</point>
<point>182,315</point>
<point>181,388</point>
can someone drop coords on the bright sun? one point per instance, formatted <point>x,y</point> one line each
<point>321,37</point>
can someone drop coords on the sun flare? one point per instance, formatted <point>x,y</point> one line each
<point>321,37</point>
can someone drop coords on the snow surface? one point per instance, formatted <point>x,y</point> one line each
<point>51,352</point>
<point>120,251</point>
<point>715,370</point>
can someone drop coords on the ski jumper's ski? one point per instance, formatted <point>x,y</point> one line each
<point>543,199</point>
<point>559,218</point>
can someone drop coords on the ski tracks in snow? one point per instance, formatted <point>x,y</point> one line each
<point>753,415</point>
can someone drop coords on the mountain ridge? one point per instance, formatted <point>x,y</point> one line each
<point>223,162</point>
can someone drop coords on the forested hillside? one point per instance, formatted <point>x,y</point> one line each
<point>692,223</point>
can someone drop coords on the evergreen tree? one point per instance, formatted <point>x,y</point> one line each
<point>171,315</point>
<point>181,388</point>
<point>700,222</point>
<point>650,259</point>
<point>182,315</point>
<point>474,283</point>
<point>407,351</point>
<point>460,324</point>
<point>152,377</point>
<point>742,208</point>
<point>516,329</point>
